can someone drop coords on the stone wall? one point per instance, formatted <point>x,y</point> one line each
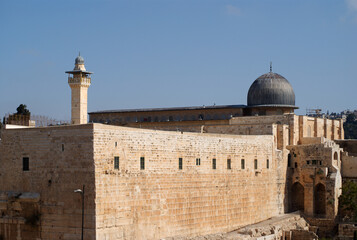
<point>349,158</point>
<point>60,161</point>
<point>315,176</point>
<point>347,230</point>
<point>165,116</point>
<point>165,201</point>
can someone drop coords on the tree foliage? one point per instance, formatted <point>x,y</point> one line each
<point>350,127</point>
<point>22,110</point>
<point>348,200</point>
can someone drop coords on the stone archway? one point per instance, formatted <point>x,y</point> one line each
<point>297,197</point>
<point>320,200</point>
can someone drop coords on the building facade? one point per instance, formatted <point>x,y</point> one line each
<point>174,172</point>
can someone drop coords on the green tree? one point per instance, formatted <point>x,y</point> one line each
<point>348,200</point>
<point>22,110</point>
<point>350,127</point>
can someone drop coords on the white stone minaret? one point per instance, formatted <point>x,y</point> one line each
<point>79,80</point>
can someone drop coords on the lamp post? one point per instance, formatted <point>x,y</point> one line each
<point>81,191</point>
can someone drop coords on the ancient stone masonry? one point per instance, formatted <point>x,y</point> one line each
<point>316,179</point>
<point>162,200</point>
<point>176,173</point>
<point>130,202</point>
<point>38,197</point>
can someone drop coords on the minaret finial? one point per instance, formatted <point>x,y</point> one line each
<point>79,53</point>
<point>271,66</point>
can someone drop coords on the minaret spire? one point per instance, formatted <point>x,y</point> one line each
<point>271,66</point>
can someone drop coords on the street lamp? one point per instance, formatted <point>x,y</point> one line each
<point>81,191</point>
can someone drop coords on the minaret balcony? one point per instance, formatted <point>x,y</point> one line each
<point>79,80</point>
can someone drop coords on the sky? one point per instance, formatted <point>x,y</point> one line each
<point>175,53</point>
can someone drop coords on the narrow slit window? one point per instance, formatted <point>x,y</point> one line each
<point>255,163</point>
<point>214,163</point>
<point>62,147</point>
<point>289,160</point>
<point>296,164</point>
<point>242,164</point>
<point>25,164</point>
<point>267,163</point>
<point>180,163</point>
<point>229,164</point>
<point>142,163</point>
<point>116,162</point>
<point>198,161</point>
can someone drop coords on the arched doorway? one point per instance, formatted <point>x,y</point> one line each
<point>297,197</point>
<point>320,200</point>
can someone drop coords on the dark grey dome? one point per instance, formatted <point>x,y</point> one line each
<point>271,89</point>
<point>79,60</point>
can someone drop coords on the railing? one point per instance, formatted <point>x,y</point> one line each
<point>79,80</point>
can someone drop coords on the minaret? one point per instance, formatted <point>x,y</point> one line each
<point>79,80</point>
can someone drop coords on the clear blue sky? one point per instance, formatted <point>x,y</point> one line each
<point>168,53</point>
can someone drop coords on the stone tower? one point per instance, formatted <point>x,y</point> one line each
<point>79,80</point>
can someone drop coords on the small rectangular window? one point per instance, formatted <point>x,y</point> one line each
<point>198,161</point>
<point>255,163</point>
<point>296,165</point>
<point>25,164</point>
<point>242,164</point>
<point>320,163</point>
<point>116,144</point>
<point>142,163</point>
<point>267,163</point>
<point>314,162</point>
<point>229,166</point>
<point>213,163</point>
<point>116,162</point>
<point>62,147</point>
<point>308,162</point>
<point>180,163</point>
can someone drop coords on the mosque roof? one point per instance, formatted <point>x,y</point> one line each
<point>170,109</point>
<point>271,90</point>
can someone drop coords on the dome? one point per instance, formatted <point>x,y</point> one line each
<point>271,89</point>
<point>79,59</point>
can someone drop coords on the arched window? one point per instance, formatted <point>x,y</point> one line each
<point>297,197</point>
<point>320,200</point>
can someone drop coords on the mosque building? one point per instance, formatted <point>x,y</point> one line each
<point>174,173</point>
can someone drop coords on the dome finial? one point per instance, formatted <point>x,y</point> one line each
<point>271,66</point>
<point>79,53</point>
